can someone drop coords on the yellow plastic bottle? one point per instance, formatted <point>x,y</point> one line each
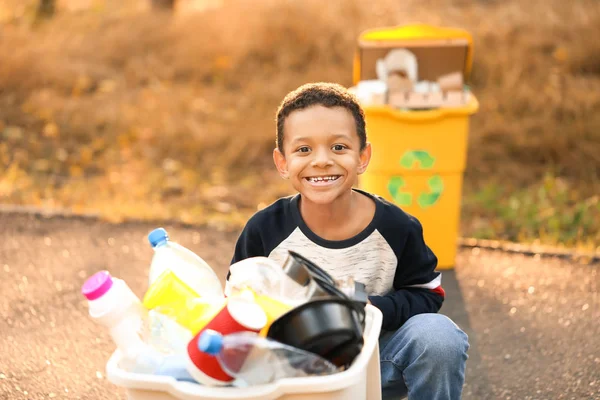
<point>170,296</point>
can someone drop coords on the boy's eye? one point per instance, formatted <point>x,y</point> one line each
<point>303,149</point>
<point>338,147</point>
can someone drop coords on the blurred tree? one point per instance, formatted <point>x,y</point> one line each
<point>163,4</point>
<point>46,8</point>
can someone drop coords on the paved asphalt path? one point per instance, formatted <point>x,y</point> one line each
<point>533,323</point>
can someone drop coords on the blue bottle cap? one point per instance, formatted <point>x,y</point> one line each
<point>157,236</point>
<point>210,342</point>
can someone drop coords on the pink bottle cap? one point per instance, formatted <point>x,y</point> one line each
<point>96,285</point>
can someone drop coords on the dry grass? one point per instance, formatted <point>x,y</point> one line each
<point>143,115</point>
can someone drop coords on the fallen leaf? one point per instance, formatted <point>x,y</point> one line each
<point>107,86</point>
<point>170,165</point>
<point>82,85</point>
<point>222,62</point>
<point>85,155</point>
<point>45,113</point>
<point>75,171</point>
<point>12,132</point>
<point>41,165</point>
<point>62,154</point>
<point>561,54</point>
<point>50,130</point>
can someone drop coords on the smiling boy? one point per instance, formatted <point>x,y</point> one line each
<point>321,149</point>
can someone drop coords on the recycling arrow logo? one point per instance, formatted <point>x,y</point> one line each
<point>421,157</point>
<point>416,159</point>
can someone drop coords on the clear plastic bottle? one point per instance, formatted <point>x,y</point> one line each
<point>112,304</point>
<point>255,360</point>
<point>184,263</point>
<point>265,277</point>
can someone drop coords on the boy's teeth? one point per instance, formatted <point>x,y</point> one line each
<point>322,178</point>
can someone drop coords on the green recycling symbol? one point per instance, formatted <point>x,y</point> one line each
<point>421,157</point>
<point>397,185</point>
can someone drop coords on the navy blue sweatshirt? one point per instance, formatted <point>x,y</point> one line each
<point>389,256</point>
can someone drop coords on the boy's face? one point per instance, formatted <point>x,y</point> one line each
<point>321,153</point>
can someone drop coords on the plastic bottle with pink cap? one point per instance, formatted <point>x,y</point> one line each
<point>113,305</point>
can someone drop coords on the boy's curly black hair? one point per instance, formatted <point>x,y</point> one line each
<point>325,94</point>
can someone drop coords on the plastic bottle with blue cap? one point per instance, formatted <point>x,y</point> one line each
<point>255,360</point>
<point>187,266</point>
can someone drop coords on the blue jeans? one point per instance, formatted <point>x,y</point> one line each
<point>425,359</point>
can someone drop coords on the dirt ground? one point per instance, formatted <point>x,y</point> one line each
<point>532,322</point>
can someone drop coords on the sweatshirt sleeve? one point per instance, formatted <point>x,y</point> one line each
<point>417,286</point>
<point>249,244</point>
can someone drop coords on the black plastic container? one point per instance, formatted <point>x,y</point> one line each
<point>330,327</point>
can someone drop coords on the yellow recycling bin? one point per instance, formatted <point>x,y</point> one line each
<point>419,136</point>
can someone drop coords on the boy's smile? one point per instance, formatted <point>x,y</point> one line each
<point>322,180</point>
<point>321,153</point>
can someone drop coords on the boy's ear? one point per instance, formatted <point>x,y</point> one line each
<point>365,157</point>
<point>280,163</point>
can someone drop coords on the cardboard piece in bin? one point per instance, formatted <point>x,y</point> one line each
<point>444,57</point>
